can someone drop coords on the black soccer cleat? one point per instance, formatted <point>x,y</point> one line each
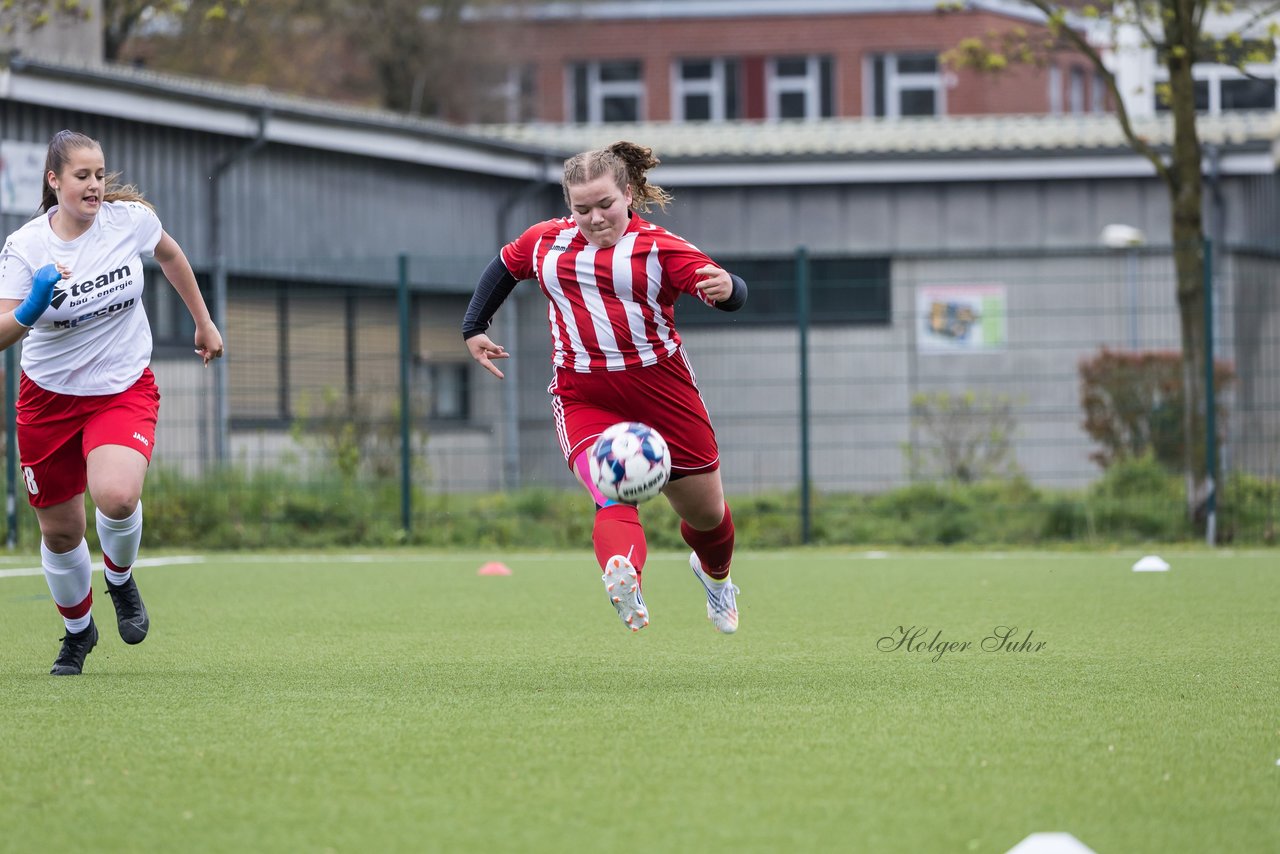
<point>75,647</point>
<point>131,614</point>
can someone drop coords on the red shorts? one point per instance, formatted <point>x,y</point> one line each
<point>664,396</point>
<point>56,432</point>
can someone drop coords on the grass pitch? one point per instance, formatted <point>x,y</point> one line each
<point>401,702</point>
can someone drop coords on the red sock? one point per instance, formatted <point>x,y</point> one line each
<point>618,531</point>
<point>714,548</point>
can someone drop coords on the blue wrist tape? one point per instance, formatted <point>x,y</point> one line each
<point>30,309</point>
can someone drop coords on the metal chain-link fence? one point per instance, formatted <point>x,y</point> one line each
<point>844,376</point>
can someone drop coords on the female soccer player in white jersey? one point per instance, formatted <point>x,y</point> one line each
<point>612,280</point>
<point>71,281</point>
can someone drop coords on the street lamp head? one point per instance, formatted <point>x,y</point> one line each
<point>1118,236</point>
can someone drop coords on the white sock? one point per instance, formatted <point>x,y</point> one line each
<point>68,577</point>
<point>120,539</point>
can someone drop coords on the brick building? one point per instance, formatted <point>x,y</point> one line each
<point>717,60</point>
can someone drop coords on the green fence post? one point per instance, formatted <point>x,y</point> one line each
<point>406,457</point>
<point>802,325</point>
<point>11,445</point>
<point>1210,403</point>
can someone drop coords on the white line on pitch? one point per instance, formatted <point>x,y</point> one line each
<point>149,561</point>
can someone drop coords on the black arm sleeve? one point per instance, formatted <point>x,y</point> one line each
<point>496,284</point>
<point>737,299</point>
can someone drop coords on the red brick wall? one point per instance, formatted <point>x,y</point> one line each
<point>551,45</point>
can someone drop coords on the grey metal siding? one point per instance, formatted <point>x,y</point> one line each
<point>289,209</point>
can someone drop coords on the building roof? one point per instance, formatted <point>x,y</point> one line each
<point>824,151</point>
<point>249,111</point>
<point>972,147</point>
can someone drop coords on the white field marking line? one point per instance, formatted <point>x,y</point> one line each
<point>259,557</point>
<point>559,558</point>
<point>150,561</point>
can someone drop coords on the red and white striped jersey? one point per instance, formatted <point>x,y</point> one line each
<point>610,309</point>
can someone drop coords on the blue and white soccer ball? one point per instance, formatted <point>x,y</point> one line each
<point>630,463</point>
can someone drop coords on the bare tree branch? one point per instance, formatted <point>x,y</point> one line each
<point>1258,16</point>
<point>1140,21</point>
<point>1081,44</point>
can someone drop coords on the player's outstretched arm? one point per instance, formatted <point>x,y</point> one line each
<point>177,269</point>
<point>495,285</point>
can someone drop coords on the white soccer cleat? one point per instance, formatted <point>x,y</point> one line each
<point>623,586</point>
<point>722,602</point>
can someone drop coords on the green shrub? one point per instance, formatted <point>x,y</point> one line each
<point>1135,500</point>
<point>1250,508</point>
<point>966,437</point>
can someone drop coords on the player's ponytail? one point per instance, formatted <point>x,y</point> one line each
<point>116,192</point>
<point>627,163</point>
<point>638,160</point>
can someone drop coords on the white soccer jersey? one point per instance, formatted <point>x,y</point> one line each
<point>94,338</point>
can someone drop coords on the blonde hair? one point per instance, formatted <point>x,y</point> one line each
<point>627,164</point>
<point>55,160</point>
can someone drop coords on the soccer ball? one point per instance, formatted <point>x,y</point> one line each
<point>630,463</point>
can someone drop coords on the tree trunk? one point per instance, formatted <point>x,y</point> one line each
<point>1188,254</point>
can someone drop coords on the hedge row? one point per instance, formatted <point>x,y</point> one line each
<point>1135,501</point>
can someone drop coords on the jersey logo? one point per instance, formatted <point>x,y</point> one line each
<point>60,294</point>
<point>84,289</point>
<point>101,312</point>
<point>143,439</point>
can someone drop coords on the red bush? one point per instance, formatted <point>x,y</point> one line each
<point>1133,405</point>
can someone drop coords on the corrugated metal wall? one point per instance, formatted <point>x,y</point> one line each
<point>293,211</point>
<point>891,218</point>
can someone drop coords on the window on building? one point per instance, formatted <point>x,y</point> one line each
<point>908,84</point>
<point>446,386</point>
<point>1098,97</point>
<point>842,290</point>
<point>1223,88</point>
<point>606,91</point>
<point>1249,94</point>
<point>799,87</point>
<point>1075,92</point>
<point>705,90</point>
<point>503,94</point>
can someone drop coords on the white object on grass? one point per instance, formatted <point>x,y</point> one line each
<point>1151,563</point>
<point>1051,843</point>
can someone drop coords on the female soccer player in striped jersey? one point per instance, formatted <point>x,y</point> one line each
<point>612,280</point>
<point>71,282</point>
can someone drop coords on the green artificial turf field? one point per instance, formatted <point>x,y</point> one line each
<point>401,702</point>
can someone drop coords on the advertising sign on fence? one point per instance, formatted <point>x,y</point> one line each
<point>21,169</point>
<point>960,318</point>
